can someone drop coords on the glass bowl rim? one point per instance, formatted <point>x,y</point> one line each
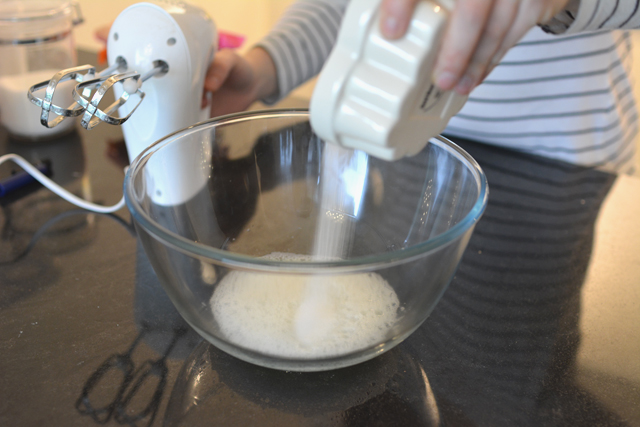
<point>250,263</point>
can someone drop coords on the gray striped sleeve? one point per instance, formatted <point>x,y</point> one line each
<point>301,41</point>
<point>594,15</point>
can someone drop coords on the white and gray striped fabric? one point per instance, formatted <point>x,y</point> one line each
<point>566,96</point>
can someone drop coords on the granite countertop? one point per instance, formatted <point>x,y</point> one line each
<point>539,326</point>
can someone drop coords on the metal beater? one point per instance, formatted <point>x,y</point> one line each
<point>158,51</point>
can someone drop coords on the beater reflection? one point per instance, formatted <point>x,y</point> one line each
<point>135,380</point>
<point>129,387</point>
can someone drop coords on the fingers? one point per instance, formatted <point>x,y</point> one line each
<point>479,34</point>
<point>219,70</point>
<point>395,16</point>
<point>526,18</point>
<point>234,82</point>
<point>218,74</point>
<point>530,14</point>
<point>493,36</point>
<point>466,25</point>
<point>473,36</point>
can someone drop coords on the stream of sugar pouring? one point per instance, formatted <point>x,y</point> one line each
<point>323,316</point>
<point>343,174</point>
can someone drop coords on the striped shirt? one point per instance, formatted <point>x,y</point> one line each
<point>565,96</point>
<point>501,345</point>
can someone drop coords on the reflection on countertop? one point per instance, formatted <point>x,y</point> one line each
<point>539,326</point>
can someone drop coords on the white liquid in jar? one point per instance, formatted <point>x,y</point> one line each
<point>259,311</point>
<point>20,116</point>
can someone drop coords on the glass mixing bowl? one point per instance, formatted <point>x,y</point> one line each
<point>230,213</point>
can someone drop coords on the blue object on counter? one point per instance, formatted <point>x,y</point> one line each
<point>21,179</point>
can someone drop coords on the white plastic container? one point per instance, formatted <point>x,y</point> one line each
<point>377,95</point>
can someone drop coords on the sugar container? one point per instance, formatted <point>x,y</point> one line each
<point>36,41</point>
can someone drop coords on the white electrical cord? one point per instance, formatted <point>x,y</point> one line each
<point>71,198</point>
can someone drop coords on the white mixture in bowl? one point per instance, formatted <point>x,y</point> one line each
<point>274,314</point>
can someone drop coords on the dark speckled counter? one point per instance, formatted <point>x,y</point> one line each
<point>540,327</point>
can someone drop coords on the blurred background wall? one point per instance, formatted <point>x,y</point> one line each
<point>250,18</point>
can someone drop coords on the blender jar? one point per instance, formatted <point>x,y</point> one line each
<point>36,41</point>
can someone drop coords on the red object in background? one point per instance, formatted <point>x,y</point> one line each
<point>102,56</point>
<point>226,40</point>
<point>229,40</point>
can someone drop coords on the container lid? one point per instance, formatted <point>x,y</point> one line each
<point>37,21</point>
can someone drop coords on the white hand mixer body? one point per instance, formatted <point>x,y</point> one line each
<point>146,35</point>
<point>158,52</point>
<point>181,36</point>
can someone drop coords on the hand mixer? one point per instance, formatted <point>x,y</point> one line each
<point>158,53</point>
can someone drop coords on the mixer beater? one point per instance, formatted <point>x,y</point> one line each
<point>89,92</point>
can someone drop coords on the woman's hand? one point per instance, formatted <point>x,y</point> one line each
<point>478,34</point>
<point>234,82</point>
